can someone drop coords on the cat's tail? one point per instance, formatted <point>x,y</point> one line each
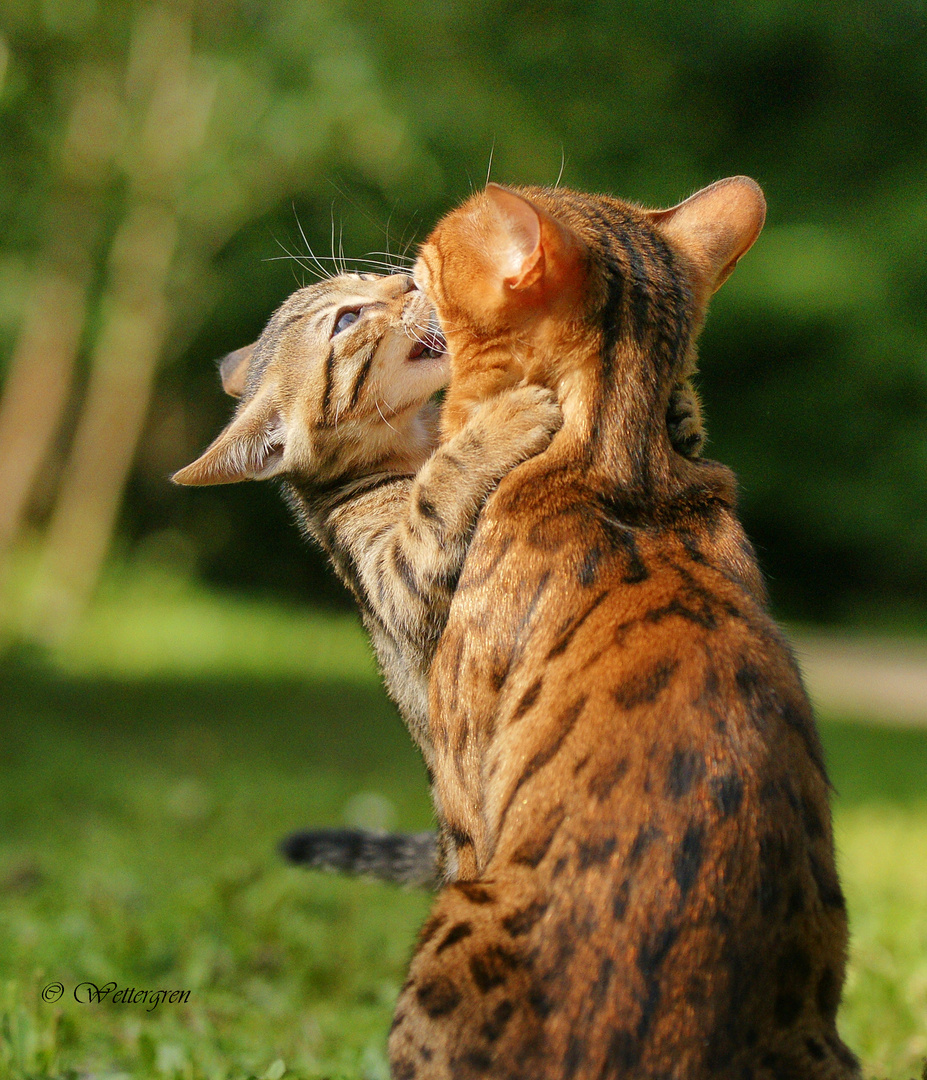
<point>401,858</point>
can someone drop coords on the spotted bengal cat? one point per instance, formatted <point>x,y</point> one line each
<point>335,399</point>
<point>623,751</point>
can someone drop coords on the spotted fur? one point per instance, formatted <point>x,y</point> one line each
<point>623,749</point>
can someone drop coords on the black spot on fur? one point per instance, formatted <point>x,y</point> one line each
<point>811,816</point>
<point>793,971</point>
<point>492,967</point>
<point>841,1052</point>
<point>589,570</point>
<point>431,928</point>
<point>828,994</point>
<point>687,861</point>
<point>644,689</point>
<point>456,933</point>
<point>787,1008</point>
<point>825,877</point>
<point>471,1063</point>
<point>686,768</point>
<point>474,892</point>
<point>774,868</point>
<point>728,793</point>
<point>624,539</point>
<point>623,1054</point>
<point>796,904</point>
<point>533,849</point>
<point>522,922</point>
<point>815,1049</point>
<point>604,779</point>
<point>499,671</point>
<point>620,900</point>
<point>529,697</point>
<point>541,1003</point>
<point>595,852</point>
<point>495,1025</point>
<point>427,509</point>
<point>653,950</point>
<point>438,997</point>
<point>403,1069</point>
<point>599,989</point>
<point>646,835</point>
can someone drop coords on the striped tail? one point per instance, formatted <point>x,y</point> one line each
<point>400,858</point>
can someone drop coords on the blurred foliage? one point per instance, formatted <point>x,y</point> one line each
<point>374,117</point>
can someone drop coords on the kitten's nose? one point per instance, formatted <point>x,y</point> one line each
<point>410,283</point>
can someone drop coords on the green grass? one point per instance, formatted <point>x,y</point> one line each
<point>147,771</point>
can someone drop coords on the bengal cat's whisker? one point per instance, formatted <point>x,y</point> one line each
<point>562,165</point>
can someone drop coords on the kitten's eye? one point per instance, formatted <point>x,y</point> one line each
<point>345,319</point>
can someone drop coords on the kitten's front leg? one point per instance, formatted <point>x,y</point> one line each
<point>408,568</point>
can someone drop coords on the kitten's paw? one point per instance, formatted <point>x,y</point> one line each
<point>521,420</point>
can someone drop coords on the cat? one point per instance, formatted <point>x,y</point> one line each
<point>314,390</point>
<point>624,754</point>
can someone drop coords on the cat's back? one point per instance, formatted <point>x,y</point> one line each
<point>650,797</point>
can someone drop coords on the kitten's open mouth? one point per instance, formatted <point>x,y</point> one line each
<point>429,346</point>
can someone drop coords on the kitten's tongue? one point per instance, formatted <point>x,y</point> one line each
<point>432,344</point>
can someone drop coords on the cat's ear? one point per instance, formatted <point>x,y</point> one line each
<point>716,226</point>
<point>233,370</point>
<point>528,244</point>
<point>250,448</point>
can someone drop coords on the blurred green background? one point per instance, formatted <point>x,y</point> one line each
<point>181,680</point>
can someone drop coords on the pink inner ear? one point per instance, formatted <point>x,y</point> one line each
<point>517,238</point>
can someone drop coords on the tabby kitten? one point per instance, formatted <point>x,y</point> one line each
<point>335,399</point>
<point>623,751</point>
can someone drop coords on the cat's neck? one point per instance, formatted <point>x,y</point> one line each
<point>614,432</point>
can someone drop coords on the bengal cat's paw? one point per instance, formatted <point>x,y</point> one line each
<point>520,421</point>
<point>684,421</point>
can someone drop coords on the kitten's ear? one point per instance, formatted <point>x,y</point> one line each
<point>250,448</point>
<point>529,244</point>
<point>716,226</point>
<point>233,370</point>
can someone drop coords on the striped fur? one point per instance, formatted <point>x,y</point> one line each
<point>623,750</point>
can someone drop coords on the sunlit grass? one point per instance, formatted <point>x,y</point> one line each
<point>148,769</point>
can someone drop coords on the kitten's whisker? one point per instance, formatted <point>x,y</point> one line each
<point>299,225</point>
<point>562,165</point>
<point>295,258</point>
<point>383,418</point>
<point>492,150</point>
